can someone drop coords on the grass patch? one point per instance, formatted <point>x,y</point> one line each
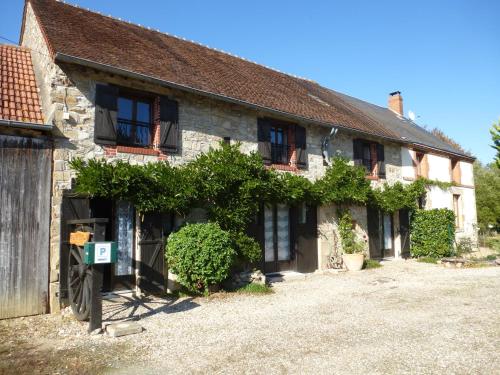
<point>477,265</point>
<point>371,263</point>
<point>254,288</point>
<point>427,260</point>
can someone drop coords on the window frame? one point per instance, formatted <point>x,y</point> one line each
<point>279,149</point>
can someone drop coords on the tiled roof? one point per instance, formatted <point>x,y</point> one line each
<point>19,99</point>
<point>82,34</point>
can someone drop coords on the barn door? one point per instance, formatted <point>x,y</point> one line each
<point>25,184</point>
<point>155,228</point>
<point>305,235</point>
<point>404,230</point>
<point>374,233</point>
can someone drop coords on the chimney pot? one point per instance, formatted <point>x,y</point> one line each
<point>395,102</point>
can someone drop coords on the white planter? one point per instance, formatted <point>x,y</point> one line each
<point>353,262</point>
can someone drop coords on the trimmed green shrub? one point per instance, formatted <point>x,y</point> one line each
<point>200,255</point>
<point>432,233</point>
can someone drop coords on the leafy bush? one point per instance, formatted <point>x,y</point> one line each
<point>247,249</point>
<point>432,233</point>
<point>200,255</point>
<point>348,239</point>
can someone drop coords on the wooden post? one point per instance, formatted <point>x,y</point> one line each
<point>97,277</point>
<point>96,298</point>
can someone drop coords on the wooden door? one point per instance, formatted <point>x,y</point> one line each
<point>404,230</point>
<point>152,267</point>
<point>374,233</point>
<point>25,186</point>
<point>305,237</point>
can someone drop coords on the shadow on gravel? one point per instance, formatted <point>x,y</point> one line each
<point>129,308</point>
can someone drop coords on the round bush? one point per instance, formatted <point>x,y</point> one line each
<point>200,255</point>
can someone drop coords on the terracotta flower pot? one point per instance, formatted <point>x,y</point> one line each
<point>353,262</point>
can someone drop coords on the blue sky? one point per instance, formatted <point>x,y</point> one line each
<point>444,56</point>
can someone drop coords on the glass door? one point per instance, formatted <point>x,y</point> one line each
<point>124,234</point>
<point>277,255</point>
<point>388,239</point>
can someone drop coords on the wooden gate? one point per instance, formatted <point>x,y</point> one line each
<point>25,181</point>
<point>155,228</point>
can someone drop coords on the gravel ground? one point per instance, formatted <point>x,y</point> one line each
<point>403,318</point>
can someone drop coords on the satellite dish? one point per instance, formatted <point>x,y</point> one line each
<point>411,115</point>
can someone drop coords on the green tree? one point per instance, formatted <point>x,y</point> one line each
<point>495,136</point>
<point>487,179</point>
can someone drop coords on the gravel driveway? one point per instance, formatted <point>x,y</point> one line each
<point>405,317</point>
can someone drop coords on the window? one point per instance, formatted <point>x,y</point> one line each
<point>282,142</point>
<point>134,121</point>
<point>371,156</point>
<point>279,145</point>
<point>457,210</point>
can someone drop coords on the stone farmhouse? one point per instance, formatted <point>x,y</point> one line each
<point>116,90</point>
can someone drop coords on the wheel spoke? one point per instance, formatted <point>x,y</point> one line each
<point>79,298</point>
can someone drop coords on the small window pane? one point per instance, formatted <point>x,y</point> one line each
<point>125,108</point>
<point>143,112</point>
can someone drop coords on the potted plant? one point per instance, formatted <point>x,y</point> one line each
<point>352,248</point>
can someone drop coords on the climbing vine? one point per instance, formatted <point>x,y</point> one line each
<point>232,185</point>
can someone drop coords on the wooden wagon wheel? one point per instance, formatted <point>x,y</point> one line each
<point>79,283</point>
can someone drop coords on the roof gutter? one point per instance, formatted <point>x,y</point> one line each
<point>26,125</point>
<point>70,59</point>
<point>430,148</point>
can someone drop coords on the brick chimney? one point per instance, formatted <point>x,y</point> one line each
<point>395,102</point>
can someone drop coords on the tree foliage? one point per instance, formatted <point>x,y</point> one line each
<point>487,182</point>
<point>495,137</point>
